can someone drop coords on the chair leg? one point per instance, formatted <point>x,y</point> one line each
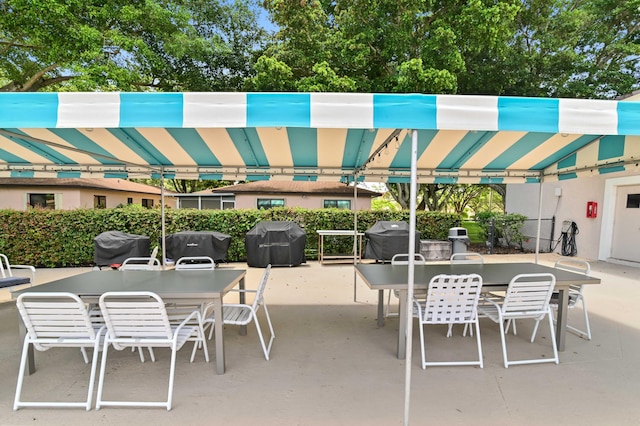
<point>504,344</point>
<point>23,364</point>
<point>103,366</point>
<point>552,333</point>
<point>422,348</point>
<point>580,333</point>
<point>172,372</point>
<point>535,330</point>
<point>273,333</point>
<point>259,330</point>
<point>92,378</point>
<point>17,403</point>
<point>478,340</point>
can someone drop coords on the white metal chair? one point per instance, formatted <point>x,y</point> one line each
<point>177,311</point>
<point>465,258</point>
<point>140,264</point>
<point>195,263</point>
<point>139,319</point>
<point>576,296</point>
<point>57,320</point>
<point>527,296</point>
<point>402,259</point>
<point>450,299</point>
<point>243,314</point>
<point>7,279</point>
<point>472,258</point>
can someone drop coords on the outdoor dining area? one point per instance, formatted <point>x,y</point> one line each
<point>340,361</point>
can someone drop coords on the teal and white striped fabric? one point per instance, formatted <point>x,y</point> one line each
<point>313,136</point>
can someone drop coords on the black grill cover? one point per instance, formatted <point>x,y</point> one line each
<point>113,247</point>
<point>385,239</point>
<point>275,243</point>
<point>198,243</point>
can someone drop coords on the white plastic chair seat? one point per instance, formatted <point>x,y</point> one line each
<point>137,320</point>
<point>57,320</point>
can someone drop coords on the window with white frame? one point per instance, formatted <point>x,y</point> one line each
<point>268,203</point>
<point>43,201</point>
<point>337,204</point>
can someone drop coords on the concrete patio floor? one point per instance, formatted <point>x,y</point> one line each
<point>331,365</point>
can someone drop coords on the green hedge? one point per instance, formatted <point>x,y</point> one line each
<point>65,237</point>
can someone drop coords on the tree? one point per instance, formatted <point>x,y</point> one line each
<point>132,45</point>
<point>378,45</point>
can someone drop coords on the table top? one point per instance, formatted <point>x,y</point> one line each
<point>172,283</point>
<point>337,232</point>
<point>385,276</point>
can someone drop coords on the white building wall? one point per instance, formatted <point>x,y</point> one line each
<point>571,205</point>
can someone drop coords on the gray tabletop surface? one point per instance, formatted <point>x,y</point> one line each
<point>493,274</point>
<point>188,284</point>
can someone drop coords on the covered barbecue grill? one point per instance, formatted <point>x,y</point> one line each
<point>198,243</point>
<point>278,243</point>
<point>385,239</point>
<point>113,247</point>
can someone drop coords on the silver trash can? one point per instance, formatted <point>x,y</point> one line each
<point>459,240</point>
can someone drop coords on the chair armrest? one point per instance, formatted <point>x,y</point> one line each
<point>30,268</point>
<point>487,299</point>
<point>186,321</point>
<point>239,290</point>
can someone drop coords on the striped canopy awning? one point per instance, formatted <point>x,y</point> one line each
<point>314,136</point>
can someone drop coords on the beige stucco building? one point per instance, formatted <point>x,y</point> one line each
<point>73,193</point>
<point>267,194</point>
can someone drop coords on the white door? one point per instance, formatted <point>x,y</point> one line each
<point>626,225</point>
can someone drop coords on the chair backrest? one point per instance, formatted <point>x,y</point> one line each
<point>261,287</point>
<point>452,299</point>
<point>140,264</point>
<point>5,267</point>
<point>574,265</point>
<point>49,317</point>
<point>154,253</point>
<point>403,259</point>
<point>135,314</point>
<point>195,263</point>
<point>473,258</point>
<point>529,294</point>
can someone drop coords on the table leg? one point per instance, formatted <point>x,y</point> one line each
<point>561,320</point>
<point>218,329</point>
<point>402,326</point>
<point>380,308</point>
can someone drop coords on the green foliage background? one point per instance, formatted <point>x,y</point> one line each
<point>62,238</point>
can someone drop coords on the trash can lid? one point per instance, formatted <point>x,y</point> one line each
<point>457,232</point>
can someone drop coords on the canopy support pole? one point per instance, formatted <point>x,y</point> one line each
<point>539,220</point>
<point>164,245</point>
<point>410,277</point>
<point>355,234</point>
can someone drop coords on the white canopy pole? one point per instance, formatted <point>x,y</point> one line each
<point>539,221</point>
<point>355,233</point>
<point>410,277</point>
<point>164,245</point>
